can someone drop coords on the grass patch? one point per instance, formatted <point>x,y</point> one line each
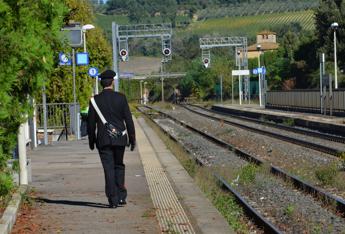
<point>247,174</point>
<point>289,122</point>
<point>327,174</point>
<point>342,157</point>
<point>222,200</point>
<point>289,210</point>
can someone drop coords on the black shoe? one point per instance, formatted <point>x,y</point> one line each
<point>122,202</point>
<point>112,205</point>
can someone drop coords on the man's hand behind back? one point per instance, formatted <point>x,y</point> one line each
<point>132,145</point>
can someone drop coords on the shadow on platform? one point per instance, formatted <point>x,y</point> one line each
<point>71,203</point>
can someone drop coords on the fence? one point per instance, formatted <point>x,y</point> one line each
<point>59,115</point>
<point>305,100</point>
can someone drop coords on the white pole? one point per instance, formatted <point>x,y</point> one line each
<point>96,91</point>
<point>232,89</point>
<point>84,36</point>
<point>45,118</point>
<point>221,89</point>
<point>239,84</point>
<point>116,68</point>
<point>78,126</point>
<point>335,61</point>
<point>141,92</point>
<point>260,98</point>
<point>23,173</point>
<point>240,89</point>
<point>162,80</point>
<point>74,95</point>
<point>34,123</point>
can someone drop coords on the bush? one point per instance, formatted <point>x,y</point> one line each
<point>326,174</point>
<point>6,184</point>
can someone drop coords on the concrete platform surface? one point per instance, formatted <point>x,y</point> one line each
<point>162,198</point>
<point>69,180</point>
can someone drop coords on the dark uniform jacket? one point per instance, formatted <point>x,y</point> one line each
<point>115,110</point>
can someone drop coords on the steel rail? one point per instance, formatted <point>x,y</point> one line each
<point>259,220</point>
<point>279,126</point>
<point>323,196</point>
<point>307,144</point>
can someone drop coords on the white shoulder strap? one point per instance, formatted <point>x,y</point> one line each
<point>98,111</point>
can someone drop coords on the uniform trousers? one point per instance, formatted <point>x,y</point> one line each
<point>114,173</point>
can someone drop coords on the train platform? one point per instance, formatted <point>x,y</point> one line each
<point>68,183</point>
<point>317,121</point>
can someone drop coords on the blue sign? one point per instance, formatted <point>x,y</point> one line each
<point>93,71</point>
<point>82,59</point>
<point>259,70</point>
<point>65,59</point>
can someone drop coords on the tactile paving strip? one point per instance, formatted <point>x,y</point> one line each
<point>170,213</point>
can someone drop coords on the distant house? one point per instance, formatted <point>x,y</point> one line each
<point>268,42</point>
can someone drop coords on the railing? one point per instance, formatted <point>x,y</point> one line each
<point>58,115</point>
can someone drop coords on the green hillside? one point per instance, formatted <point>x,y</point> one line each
<point>232,26</point>
<point>250,25</point>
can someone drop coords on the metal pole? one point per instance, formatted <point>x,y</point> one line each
<point>162,80</point>
<point>232,89</point>
<point>78,126</point>
<point>239,85</point>
<point>335,61</point>
<point>44,102</point>
<point>115,55</point>
<point>74,94</point>
<point>145,98</point>
<point>320,86</point>
<point>141,92</point>
<point>23,173</point>
<point>330,99</point>
<point>84,36</point>
<point>260,98</point>
<point>96,91</point>
<point>34,125</point>
<point>221,88</point>
<point>322,73</point>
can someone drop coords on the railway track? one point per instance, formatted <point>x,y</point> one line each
<point>324,197</point>
<point>294,140</point>
<point>320,135</point>
<point>249,210</point>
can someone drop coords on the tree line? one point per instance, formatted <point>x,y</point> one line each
<point>30,45</point>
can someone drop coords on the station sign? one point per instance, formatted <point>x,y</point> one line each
<point>82,59</point>
<point>259,70</point>
<point>240,72</point>
<point>93,71</point>
<point>65,59</point>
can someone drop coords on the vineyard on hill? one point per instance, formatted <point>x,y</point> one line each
<point>250,25</point>
<point>256,8</point>
<point>231,26</point>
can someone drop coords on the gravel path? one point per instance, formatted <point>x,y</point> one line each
<point>295,159</point>
<point>290,210</point>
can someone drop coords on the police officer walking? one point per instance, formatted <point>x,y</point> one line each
<point>114,109</point>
